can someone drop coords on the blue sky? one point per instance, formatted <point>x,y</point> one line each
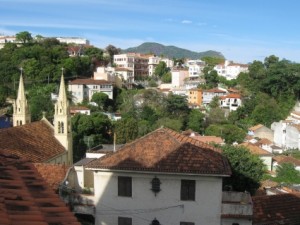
<point>242,31</point>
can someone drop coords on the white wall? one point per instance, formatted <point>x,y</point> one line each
<point>166,206</point>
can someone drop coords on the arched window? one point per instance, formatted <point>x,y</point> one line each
<point>20,122</point>
<point>17,122</point>
<point>155,222</point>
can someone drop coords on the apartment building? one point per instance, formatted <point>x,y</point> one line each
<point>136,62</point>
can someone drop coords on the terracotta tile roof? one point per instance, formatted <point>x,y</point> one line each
<point>282,209</point>
<point>255,150</point>
<point>34,141</point>
<point>78,107</point>
<point>209,139</point>
<point>89,81</point>
<point>53,174</point>
<point>264,141</point>
<point>233,95</point>
<point>256,127</point>
<point>165,150</point>
<point>26,199</point>
<point>286,159</point>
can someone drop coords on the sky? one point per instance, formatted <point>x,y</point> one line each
<point>242,30</point>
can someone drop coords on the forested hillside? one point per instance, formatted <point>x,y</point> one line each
<point>171,51</point>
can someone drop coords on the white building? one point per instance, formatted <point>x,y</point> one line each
<point>230,70</point>
<point>136,62</point>
<point>155,60</point>
<point>83,89</point>
<point>208,95</point>
<point>231,101</point>
<point>73,40</point>
<point>161,178</point>
<point>178,77</point>
<point>195,68</point>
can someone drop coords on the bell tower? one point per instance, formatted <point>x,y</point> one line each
<point>62,120</point>
<point>21,113</point>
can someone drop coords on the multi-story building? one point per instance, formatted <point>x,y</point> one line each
<point>136,62</point>
<point>230,70</point>
<point>195,97</point>
<point>83,89</point>
<point>161,178</point>
<point>208,95</point>
<point>231,101</point>
<point>179,75</point>
<point>195,68</point>
<point>155,60</point>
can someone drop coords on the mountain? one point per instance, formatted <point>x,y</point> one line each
<point>170,51</point>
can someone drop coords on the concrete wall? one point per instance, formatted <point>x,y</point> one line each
<point>166,206</point>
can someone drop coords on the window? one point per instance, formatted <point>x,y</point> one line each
<point>187,223</point>
<point>124,221</point>
<point>124,186</point>
<point>188,188</point>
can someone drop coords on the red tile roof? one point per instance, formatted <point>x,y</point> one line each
<point>282,209</point>
<point>34,142</point>
<point>89,81</point>
<point>209,139</point>
<point>52,173</point>
<point>286,159</point>
<point>233,95</point>
<point>165,150</point>
<point>255,150</point>
<point>256,127</point>
<point>26,199</point>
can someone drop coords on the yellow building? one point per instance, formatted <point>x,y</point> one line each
<point>195,96</point>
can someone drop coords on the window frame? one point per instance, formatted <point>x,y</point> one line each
<point>124,220</point>
<point>124,186</point>
<point>188,190</point>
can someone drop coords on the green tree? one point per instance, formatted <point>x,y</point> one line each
<point>112,50</point>
<point>229,132</point>
<point>89,131</point>
<point>212,61</point>
<point>247,169</point>
<point>101,99</point>
<point>161,69</point>
<point>174,124</point>
<point>167,77</point>
<point>287,173</point>
<point>24,37</point>
<point>196,121</point>
<point>176,106</point>
<point>126,130</point>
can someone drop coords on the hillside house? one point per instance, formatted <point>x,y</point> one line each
<point>83,89</point>
<point>164,177</point>
<point>261,131</point>
<point>231,101</point>
<point>208,95</point>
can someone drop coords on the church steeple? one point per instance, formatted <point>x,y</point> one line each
<point>21,113</point>
<point>62,120</point>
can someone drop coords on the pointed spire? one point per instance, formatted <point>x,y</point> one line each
<point>21,91</point>
<point>62,96</point>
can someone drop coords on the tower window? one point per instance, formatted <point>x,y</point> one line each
<point>62,127</point>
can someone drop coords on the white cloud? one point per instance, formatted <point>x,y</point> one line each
<point>186,21</point>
